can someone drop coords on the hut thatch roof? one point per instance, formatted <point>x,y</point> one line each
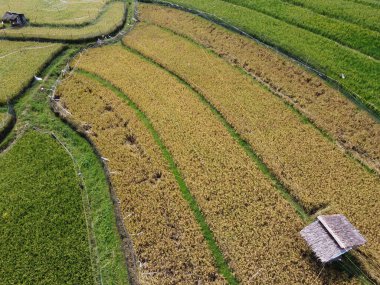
<point>331,236</point>
<point>14,18</point>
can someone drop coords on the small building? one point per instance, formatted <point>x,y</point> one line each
<point>331,236</point>
<point>15,19</point>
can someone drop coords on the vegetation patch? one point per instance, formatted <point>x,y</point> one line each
<point>314,170</point>
<point>19,62</point>
<point>43,230</point>
<point>167,240</point>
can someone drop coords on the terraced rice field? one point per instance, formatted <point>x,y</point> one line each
<point>258,116</point>
<point>20,62</point>
<point>161,147</point>
<point>349,125</point>
<point>42,224</point>
<point>109,21</point>
<point>56,12</point>
<point>360,72</point>
<point>235,206</point>
<point>168,243</point>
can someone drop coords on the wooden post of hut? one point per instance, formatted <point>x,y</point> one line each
<point>331,236</point>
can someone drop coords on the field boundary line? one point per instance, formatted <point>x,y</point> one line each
<point>372,110</point>
<point>366,164</point>
<point>220,262</point>
<point>339,42</point>
<point>275,181</point>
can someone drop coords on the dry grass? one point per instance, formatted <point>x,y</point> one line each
<point>19,62</point>
<point>169,245</point>
<point>253,225</point>
<point>106,24</point>
<point>315,170</point>
<point>330,110</point>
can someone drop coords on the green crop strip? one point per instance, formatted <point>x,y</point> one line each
<point>353,12</point>
<point>33,109</point>
<point>360,39</point>
<point>207,233</point>
<point>347,264</point>
<point>39,201</point>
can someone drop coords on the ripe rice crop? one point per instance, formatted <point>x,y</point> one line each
<point>358,13</point>
<point>19,62</point>
<point>168,243</point>
<point>360,72</point>
<point>42,12</point>
<point>252,224</point>
<point>109,21</point>
<point>315,170</point>
<point>326,107</point>
<point>43,230</point>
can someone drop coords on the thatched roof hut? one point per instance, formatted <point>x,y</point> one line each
<point>331,236</point>
<point>15,19</point>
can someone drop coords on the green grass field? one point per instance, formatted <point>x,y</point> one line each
<point>43,229</point>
